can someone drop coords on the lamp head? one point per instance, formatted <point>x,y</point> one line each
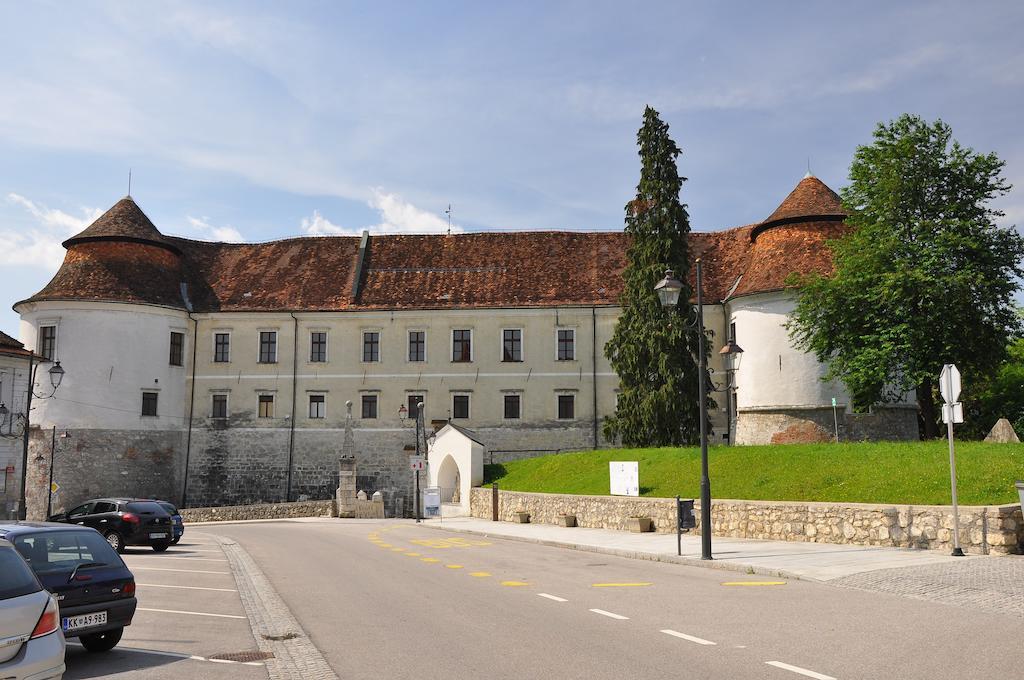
<point>668,289</point>
<point>56,374</point>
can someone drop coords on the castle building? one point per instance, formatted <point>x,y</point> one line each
<point>219,373</point>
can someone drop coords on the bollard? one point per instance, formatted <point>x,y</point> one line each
<point>494,502</point>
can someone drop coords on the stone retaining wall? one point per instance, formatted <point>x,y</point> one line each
<point>983,529</point>
<point>235,513</point>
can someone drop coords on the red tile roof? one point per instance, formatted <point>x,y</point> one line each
<point>484,270</point>
<point>11,347</point>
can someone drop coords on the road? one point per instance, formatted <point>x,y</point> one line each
<point>395,600</point>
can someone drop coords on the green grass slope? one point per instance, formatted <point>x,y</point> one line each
<point>875,472</point>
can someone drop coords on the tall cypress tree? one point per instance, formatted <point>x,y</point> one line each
<point>653,350</point>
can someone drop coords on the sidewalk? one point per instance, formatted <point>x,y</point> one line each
<point>811,561</point>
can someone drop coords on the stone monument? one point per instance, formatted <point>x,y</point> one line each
<point>346,495</point>
<point>1002,433</point>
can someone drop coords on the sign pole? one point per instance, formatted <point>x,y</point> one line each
<point>951,396</point>
<point>835,418</point>
<point>679,527</point>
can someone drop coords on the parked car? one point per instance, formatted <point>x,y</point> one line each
<point>123,522</point>
<point>94,589</point>
<point>31,644</point>
<point>177,523</point>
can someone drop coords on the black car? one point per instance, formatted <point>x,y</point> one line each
<point>94,589</point>
<point>123,522</point>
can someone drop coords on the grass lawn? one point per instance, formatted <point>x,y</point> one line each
<point>884,472</point>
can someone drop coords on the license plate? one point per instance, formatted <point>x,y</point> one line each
<point>84,621</point>
<point>160,535</point>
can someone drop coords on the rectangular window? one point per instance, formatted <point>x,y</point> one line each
<point>221,347</point>
<point>462,345</point>
<point>566,406</point>
<point>317,406</point>
<point>732,331</point>
<point>220,406</point>
<point>369,405</point>
<point>512,344</point>
<point>48,342</point>
<point>512,406</point>
<point>177,348</point>
<point>371,346</point>
<point>460,406</point>
<point>149,403</point>
<point>318,346</point>
<point>415,399</point>
<point>266,409</point>
<point>268,347</point>
<point>417,346</point>
<point>566,344</point>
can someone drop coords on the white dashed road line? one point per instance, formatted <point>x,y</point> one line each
<point>610,615</point>
<point>801,671</point>
<point>684,636</point>
<point>185,571</point>
<point>159,585</point>
<point>176,611</point>
<point>553,597</point>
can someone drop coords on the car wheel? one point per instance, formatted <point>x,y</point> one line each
<point>161,546</point>
<point>174,541</point>
<point>101,642</point>
<point>115,541</point>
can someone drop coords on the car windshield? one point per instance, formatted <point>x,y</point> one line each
<point>145,508</point>
<point>16,579</point>
<point>56,551</point>
<point>171,510</point>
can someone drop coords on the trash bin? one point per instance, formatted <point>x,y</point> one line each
<point>685,514</point>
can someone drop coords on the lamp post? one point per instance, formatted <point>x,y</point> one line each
<point>732,354</point>
<point>403,413</point>
<point>668,290</point>
<point>56,376</point>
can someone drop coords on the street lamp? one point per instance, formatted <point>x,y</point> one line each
<point>56,373</point>
<point>403,414</point>
<point>668,290</point>
<point>732,355</point>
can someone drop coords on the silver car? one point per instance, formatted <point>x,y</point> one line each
<point>31,641</point>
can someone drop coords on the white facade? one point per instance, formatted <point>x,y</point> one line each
<point>111,354</point>
<point>13,392</point>
<point>455,464</point>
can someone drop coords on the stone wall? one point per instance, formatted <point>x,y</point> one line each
<point>984,529</point>
<point>810,425</point>
<point>96,463</point>
<point>237,513</point>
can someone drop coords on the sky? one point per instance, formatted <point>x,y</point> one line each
<point>257,121</point>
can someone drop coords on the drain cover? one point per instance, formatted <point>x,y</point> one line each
<point>243,656</point>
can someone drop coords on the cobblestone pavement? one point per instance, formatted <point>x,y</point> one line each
<point>273,626</point>
<point>991,584</point>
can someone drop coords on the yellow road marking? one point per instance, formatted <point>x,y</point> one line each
<point>619,585</point>
<point>442,543</point>
<point>398,550</point>
<point>429,559</point>
<point>384,545</point>
<point>754,583</point>
<point>479,574</point>
<point>413,554</point>
<point>454,566</point>
<point>514,584</point>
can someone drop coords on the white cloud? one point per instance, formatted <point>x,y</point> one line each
<point>40,244</point>
<point>397,216</point>
<point>208,232</point>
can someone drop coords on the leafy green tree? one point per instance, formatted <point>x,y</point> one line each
<point>925,276</point>
<point>653,350</point>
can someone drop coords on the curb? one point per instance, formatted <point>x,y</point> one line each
<point>636,554</point>
<point>274,628</point>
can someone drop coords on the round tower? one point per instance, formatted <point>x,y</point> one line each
<point>115,316</point>
<point>780,394</point>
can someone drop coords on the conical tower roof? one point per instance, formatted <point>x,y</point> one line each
<point>811,201</point>
<point>125,221</point>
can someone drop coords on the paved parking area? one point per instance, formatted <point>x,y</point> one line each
<point>190,617</point>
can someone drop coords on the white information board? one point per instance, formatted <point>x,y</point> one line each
<point>625,478</point>
<point>432,501</point>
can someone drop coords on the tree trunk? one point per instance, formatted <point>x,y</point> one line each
<point>926,409</point>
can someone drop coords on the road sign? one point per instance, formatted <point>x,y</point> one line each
<point>417,463</point>
<point>949,383</point>
<point>54,487</point>
<point>954,411</point>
